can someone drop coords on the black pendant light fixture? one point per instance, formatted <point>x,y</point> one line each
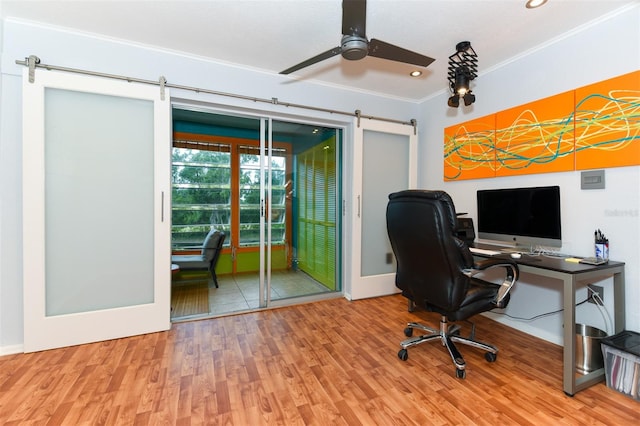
<point>463,67</point>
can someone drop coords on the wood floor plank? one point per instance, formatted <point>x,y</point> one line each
<point>331,362</point>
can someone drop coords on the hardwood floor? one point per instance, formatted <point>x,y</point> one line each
<point>329,362</point>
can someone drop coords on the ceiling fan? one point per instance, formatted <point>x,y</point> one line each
<point>355,45</point>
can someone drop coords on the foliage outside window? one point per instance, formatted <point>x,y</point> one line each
<point>203,193</point>
<point>250,196</point>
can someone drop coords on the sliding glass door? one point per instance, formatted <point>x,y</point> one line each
<point>273,189</point>
<point>304,211</point>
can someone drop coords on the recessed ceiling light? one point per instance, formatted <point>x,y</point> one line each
<point>532,4</point>
<point>415,73</point>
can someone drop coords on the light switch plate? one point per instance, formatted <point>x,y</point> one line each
<point>592,179</point>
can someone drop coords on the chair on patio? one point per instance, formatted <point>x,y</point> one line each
<point>207,259</point>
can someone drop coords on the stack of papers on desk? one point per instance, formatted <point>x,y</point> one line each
<point>594,261</point>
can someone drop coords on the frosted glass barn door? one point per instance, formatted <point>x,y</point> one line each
<point>384,162</point>
<point>96,208</point>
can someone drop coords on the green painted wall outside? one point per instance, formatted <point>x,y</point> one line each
<point>316,212</point>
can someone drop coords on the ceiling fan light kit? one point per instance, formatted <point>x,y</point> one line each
<point>355,45</point>
<point>463,67</point>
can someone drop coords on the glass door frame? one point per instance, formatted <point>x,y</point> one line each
<point>267,148</point>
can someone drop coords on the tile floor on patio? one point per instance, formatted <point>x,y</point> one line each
<point>241,292</point>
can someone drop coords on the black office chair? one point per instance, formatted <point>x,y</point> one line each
<point>436,271</point>
<point>207,259</point>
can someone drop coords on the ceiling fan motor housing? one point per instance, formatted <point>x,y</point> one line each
<point>354,47</point>
<point>354,44</point>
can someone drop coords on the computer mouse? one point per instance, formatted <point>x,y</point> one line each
<point>516,255</point>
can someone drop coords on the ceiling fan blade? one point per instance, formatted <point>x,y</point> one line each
<point>321,57</point>
<point>384,50</point>
<point>354,17</point>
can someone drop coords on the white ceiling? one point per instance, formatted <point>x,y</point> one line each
<point>272,35</point>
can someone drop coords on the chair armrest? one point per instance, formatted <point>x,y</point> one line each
<point>511,270</point>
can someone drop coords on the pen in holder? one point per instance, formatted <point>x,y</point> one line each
<point>601,245</point>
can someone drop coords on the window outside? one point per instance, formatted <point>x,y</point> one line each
<point>201,195</point>
<point>203,192</point>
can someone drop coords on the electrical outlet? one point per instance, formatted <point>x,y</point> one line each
<point>597,290</point>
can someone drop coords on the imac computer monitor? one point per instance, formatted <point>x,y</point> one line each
<point>524,217</point>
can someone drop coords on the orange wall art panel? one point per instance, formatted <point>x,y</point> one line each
<point>608,123</point>
<point>469,149</point>
<point>536,137</point>
<point>592,127</point>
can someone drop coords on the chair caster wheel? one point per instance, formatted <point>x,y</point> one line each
<point>490,356</point>
<point>403,354</point>
<point>461,374</point>
<point>408,331</point>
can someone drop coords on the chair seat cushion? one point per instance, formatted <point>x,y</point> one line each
<point>480,297</point>
<point>190,262</point>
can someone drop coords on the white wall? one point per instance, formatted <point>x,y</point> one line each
<point>1,175</point>
<point>598,52</point>
<point>69,49</point>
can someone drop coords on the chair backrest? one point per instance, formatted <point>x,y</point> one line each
<point>212,245</point>
<point>431,259</point>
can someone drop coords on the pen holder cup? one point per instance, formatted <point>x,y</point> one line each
<point>602,250</point>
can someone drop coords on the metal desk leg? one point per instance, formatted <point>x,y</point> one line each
<point>618,301</point>
<point>571,383</point>
<point>569,317</point>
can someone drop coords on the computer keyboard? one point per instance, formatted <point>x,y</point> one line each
<point>484,251</point>
<point>556,254</point>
